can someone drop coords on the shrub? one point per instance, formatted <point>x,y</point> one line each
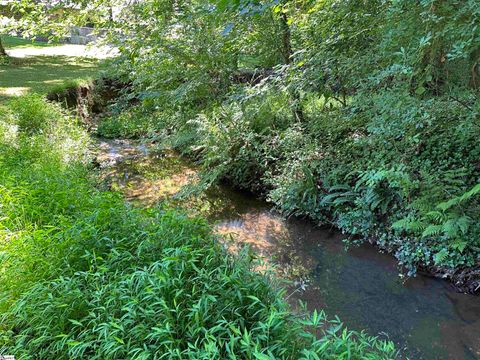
<point>32,115</point>
<point>128,124</point>
<point>86,275</point>
<point>172,297</point>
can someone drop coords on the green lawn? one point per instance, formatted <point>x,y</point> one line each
<point>12,42</point>
<point>42,73</point>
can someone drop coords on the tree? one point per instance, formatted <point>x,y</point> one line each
<point>4,18</point>
<point>55,18</point>
<point>2,49</point>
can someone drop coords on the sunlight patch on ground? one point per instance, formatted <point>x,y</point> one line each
<point>14,91</point>
<point>37,67</point>
<point>96,52</point>
<point>44,74</point>
<point>55,81</point>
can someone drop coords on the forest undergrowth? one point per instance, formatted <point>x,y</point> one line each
<point>362,115</point>
<point>84,274</point>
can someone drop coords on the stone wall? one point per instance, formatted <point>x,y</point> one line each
<point>82,35</point>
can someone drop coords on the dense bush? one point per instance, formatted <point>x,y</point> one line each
<point>364,114</point>
<point>172,297</point>
<point>84,274</point>
<point>128,124</point>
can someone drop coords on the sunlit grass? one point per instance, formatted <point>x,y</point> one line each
<point>11,42</point>
<point>42,74</point>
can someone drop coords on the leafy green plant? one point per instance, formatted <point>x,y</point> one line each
<point>32,115</point>
<point>191,303</point>
<point>128,124</point>
<point>85,274</point>
<point>450,220</point>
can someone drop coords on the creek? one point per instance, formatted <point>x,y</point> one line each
<point>424,316</point>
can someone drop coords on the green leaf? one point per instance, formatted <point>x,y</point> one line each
<point>75,322</point>
<point>261,356</point>
<point>440,256</point>
<point>420,90</point>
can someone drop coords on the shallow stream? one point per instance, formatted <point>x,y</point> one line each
<point>423,315</point>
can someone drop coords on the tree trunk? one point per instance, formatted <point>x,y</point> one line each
<point>286,39</point>
<point>2,49</point>
<point>287,58</point>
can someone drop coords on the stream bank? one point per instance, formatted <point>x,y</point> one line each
<point>90,103</point>
<point>424,316</point>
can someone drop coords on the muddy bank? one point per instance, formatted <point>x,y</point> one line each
<point>422,315</point>
<point>90,99</point>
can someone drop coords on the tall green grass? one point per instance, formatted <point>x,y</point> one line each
<point>86,276</point>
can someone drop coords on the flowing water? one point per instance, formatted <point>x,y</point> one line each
<point>423,315</point>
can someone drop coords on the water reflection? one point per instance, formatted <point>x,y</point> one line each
<point>142,174</point>
<point>422,315</point>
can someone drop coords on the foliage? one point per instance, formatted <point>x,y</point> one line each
<point>127,124</point>
<point>451,221</point>
<point>86,275</point>
<point>372,114</point>
<point>177,299</point>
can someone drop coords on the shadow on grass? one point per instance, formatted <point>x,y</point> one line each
<point>12,42</point>
<point>43,74</point>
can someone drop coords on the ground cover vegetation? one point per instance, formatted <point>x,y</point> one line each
<point>42,73</point>
<point>86,275</point>
<point>361,114</point>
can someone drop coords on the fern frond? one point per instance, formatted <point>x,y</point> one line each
<point>471,193</point>
<point>432,230</point>
<point>463,223</point>
<point>459,199</point>
<point>450,228</point>
<point>339,187</point>
<point>408,224</point>
<point>436,216</point>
